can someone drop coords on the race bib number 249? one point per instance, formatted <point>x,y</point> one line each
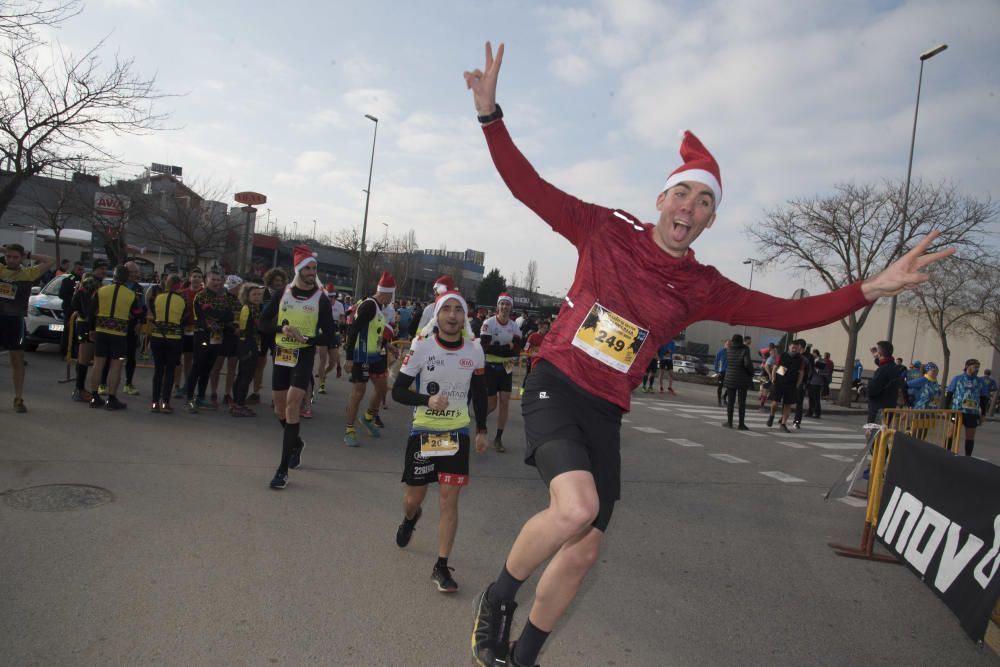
<point>610,338</point>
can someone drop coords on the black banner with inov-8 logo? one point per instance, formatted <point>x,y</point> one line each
<point>940,515</point>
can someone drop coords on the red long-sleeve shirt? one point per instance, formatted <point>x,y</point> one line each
<point>646,296</point>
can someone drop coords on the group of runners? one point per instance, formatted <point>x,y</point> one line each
<point>635,286</point>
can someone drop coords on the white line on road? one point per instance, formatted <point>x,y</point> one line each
<point>838,445</point>
<point>810,434</point>
<point>683,442</point>
<point>728,458</point>
<point>793,445</point>
<point>753,434</point>
<point>781,477</point>
<point>837,457</point>
<point>626,421</point>
<point>657,408</point>
<point>648,429</point>
<point>853,502</point>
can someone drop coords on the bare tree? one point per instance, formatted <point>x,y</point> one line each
<point>186,223</point>
<point>366,262</point>
<point>56,115</point>
<point>52,207</point>
<point>950,300</point>
<point>400,259</point>
<point>854,233</point>
<point>531,277</point>
<point>19,18</point>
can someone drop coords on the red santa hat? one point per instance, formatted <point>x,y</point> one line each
<point>505,297</point>
<point>330,289</point>
<point>386,284</point>
<point>444,284</point>
<point>699,165</point>
<point>302,256</point>
<point>438,303</point>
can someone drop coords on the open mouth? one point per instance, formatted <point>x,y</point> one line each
<point>679,230</point>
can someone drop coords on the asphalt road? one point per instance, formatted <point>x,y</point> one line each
<point>716,555</point>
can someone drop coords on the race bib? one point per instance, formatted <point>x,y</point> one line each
<point>610,338</point>
<point>438,444</point>
<point>286,357</point>
<point>509,366</point>
<point>8,290</point>
<point>781,370</point>
<point>216,338</point>
<point>970,404</point>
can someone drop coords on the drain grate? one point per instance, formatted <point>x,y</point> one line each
<point>57,497</point>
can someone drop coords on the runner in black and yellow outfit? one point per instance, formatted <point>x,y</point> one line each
<point>300,317</point>
<point>364,359</point>
<point>168,314</point>
<point>213,312</point>
<point>501,340</point>
<point>115,307</point>
<point>15,288</point>
<point>248,348</point>
<point>82,348</point>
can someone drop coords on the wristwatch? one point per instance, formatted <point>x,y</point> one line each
<point>496,115</point>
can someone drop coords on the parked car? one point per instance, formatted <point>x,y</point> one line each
<point>688,363</point>
<point>44,321</point>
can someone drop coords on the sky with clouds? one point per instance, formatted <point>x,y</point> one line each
<point>792,97</point>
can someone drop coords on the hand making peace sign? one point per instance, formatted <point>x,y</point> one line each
<point>484,84</point>
<point>904,273</point>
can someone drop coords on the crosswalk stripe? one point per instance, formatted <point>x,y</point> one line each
<point>648,429</point>
<point>793,445</point>
<point>837,445</point>
<point>683,442</point>
<point>781,477</point>
<point>853,502</point>
<point>728,458</point>
<point>837,457</point>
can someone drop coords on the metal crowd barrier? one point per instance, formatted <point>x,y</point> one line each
<point>938,427</point>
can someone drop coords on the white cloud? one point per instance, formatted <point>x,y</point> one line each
<point>313,161</point>
<point>572,69</point>
<point>379,102</point>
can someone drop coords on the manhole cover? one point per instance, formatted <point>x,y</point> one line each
<point>57,497</point>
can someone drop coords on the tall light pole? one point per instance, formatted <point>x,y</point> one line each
<point>364,225</point>
<point>926,55</point>
<point>752,262</point>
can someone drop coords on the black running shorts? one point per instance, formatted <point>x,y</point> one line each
<point>569,429</point>
<point>787,394</point>
<point>666,364</point>
<point>498,379</point>
<point>298,376</point>
<point>187,347</point>
<point>12,332</point>
<point>420,471</point>
<point>110,346</point>
<point>230,345</point>
<point>362,372</point>
<point>970,420</point>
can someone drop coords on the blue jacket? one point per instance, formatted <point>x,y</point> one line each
<point>721,360</point>
<point>924,391</point>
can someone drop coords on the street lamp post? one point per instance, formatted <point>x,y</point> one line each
<point>364,225</point>
<point>752,262</point>
<point>926,55</point>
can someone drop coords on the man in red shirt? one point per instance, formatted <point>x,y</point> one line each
<point>636,285</point>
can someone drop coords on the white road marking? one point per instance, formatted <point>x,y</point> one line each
<point>728,458</point>
<point>853,502</point>
<point>837,445</point>
<point>648,429</point>
<point>837,457</point>
<point>753,434</point>
<point>683,442</point>
<point>657,408</point>
<point>807,434</point>
<point>793,445</point>
<point>626,421</point>
<point>781,477</point>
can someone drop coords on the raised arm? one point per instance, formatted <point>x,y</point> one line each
<point>567,215</point>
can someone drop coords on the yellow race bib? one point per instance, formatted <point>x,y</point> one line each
<point>286,357</point>
<point>610,338</point>
<point>438,444</point>
<point>7,290</point>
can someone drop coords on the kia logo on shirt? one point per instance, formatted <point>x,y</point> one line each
<point>465,363</point>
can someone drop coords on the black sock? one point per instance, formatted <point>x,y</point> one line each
<point>81,376</point>
<point>282,423</point>
<point>288,445</point>
<point>499,432</point>
<point>969,444</point>
<point>442,562</point>
<point>505,587</point>
<point>529,644</point>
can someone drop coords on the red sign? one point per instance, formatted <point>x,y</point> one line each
<point>250,198</point>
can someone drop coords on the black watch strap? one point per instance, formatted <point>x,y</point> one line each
<point>496,115</point>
